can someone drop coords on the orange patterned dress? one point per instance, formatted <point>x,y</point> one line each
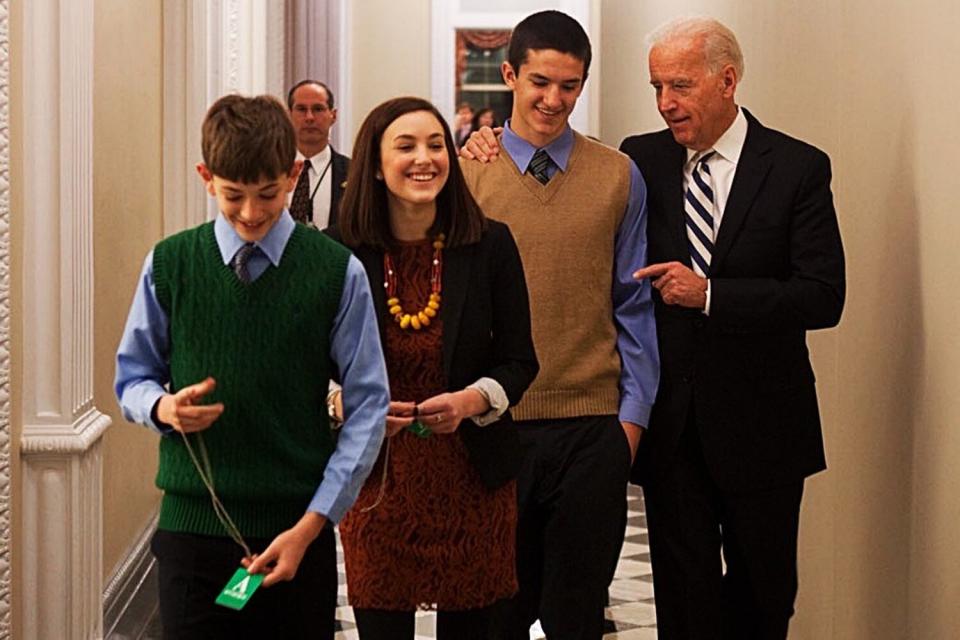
<point>438,538</point>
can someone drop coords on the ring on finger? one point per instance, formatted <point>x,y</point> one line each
<point>438,418</point>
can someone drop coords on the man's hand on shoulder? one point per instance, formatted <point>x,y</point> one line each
<point>677,284</point>
<point>482,145</point>
<point>182,411</point>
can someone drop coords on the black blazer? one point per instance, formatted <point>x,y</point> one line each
<point>777,271</point>
<point>339,169</point>
<point>486,333</point>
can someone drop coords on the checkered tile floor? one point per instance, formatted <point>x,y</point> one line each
<point>630,615</point>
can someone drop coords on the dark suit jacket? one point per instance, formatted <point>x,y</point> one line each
<point>340,168</point>
<point>777,271</point>
<point>486,333</point>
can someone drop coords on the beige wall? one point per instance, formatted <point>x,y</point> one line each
<point>127,191</point>
<point>873,84</point>
<point>389,54</point>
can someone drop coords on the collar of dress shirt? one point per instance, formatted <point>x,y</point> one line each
<point>318,161</point>
<point>522,151</point>
<point>730,143</point>
<point>272,244</point>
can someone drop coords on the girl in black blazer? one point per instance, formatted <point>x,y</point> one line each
<point>434,526</point>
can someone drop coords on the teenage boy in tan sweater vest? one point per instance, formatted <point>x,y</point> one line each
<point>578,212</point>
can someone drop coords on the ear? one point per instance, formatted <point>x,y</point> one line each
<point>293,176</point>
<point>333,116</point>
<point>728,78</point>
<point>207,178</point>
<point>509,75</point>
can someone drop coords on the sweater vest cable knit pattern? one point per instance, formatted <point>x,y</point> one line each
<point>267,345</point>
<point>565,231</point>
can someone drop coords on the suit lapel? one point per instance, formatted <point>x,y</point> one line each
<point>456,280</point>
<point>752,170</point>
<point>373,264</point>
<point>339,177</point>
<point>673,199</point>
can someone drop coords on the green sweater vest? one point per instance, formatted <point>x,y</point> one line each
<point>267,345</point>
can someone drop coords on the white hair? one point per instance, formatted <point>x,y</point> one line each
<point>720,46</point>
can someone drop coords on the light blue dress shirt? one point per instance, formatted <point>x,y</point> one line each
<point>632,303</point>
<point>143,366</point>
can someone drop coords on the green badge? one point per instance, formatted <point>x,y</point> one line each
<point>417,428</point>
<point>239,589</point>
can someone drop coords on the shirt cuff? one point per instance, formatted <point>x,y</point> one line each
<point>493,392</point>
<point>706,307</point>
<point>635,411</point>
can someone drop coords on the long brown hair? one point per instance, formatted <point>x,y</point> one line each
<point>364,213</point>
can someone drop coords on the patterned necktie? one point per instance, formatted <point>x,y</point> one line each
<point>301,208</point>
<point>698,206</point>
<point>240,260</point>
<point>538,166</point>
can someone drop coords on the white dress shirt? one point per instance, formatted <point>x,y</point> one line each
<point>723,167</point>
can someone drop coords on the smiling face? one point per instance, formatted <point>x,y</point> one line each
<point>696,103</point>
<point>545,91</point>
<point>251,208</point>
<point>414,160</point>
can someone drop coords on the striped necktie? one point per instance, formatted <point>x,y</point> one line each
<point>698,206</point>
<point>240,260</point>
<point>301,207</point>
<point>538,166</point>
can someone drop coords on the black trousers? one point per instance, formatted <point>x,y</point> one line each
<point>377,624</point>
<point>194,569</point>
<point>691,522</point>
<point>573,511</point>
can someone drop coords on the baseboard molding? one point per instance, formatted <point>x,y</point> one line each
<point>128,578</point>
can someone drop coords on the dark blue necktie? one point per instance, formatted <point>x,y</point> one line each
<point>240,261</point>
<point>698,206</point>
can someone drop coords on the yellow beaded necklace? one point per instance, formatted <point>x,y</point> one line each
<point>418,319</point>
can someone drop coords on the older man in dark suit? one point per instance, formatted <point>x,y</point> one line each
<point>745,256</point>
<point>316,198</point>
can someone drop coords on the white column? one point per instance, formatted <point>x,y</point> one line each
<point>6,613</point>
<point>60,445</point>
<point>210,48</point>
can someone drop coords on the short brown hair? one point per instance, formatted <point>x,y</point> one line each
<point>364,213</point>
<point>248,139</point>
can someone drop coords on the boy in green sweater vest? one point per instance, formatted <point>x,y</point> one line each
<point>236,328</point>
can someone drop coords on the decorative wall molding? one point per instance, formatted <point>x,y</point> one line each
<point>82,434</point>
<point>61,471</point>
<point>129,579</point>
<point>6,613</point>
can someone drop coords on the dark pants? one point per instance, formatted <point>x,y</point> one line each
<point>573,512</point>
<point>193,570</point>
<point>377,624</point>
<point>691,522</point>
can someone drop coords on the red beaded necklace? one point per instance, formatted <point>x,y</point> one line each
<point>417,319</point>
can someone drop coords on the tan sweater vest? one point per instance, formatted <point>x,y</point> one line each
<point>565,231</point>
